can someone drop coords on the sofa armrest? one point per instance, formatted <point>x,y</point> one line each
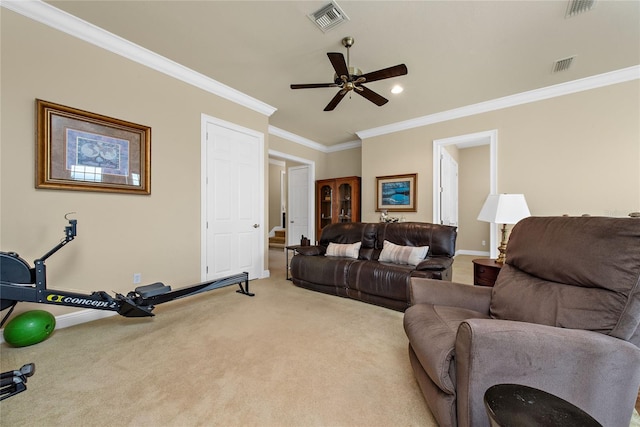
<point>436,263</point>
<point>311,250</point>
<point>598,373</point>
<point>439,292</point>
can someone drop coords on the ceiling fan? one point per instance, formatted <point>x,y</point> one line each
<point>349,78</point>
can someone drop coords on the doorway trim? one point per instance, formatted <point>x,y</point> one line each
<point>465,141</point>
<point>311,183</point>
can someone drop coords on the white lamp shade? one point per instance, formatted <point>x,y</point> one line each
<point>504,209</point>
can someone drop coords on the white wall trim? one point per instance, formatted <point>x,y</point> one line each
<point>83,30</point>
<point>474,253</point>
<point>76,27</point>
<point>275,131</point>
<point>588,83</point>
<point>465,141</point>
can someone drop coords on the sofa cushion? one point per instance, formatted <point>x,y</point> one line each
<point>398,254</point>
<point>382,279</point>
<point>586,290</point>
<point>349,250</point>
<point>434,345</point>
<point>441,239</point>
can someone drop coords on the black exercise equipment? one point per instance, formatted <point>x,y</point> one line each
<point>19,282</point>
<point>14,382</point>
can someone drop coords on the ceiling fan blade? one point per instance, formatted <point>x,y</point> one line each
<point>386,73</point>
<point>372,96</point>
<point>312,85</point>
<point>336,99</point>
<point>339,64</point>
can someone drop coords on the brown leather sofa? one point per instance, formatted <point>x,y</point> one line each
<point>563,317</point>
<point>366,278</point>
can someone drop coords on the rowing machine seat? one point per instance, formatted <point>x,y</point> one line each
<point>152,290</point>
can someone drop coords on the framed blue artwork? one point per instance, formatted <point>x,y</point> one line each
<point>396,193</point>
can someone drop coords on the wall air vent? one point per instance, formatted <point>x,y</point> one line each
<point>562,64</point>
<point>328,17</point>
<point>577,7</point>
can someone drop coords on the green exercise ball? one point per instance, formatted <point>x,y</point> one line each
<point>28,328</point>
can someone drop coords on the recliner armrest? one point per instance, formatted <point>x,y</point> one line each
<point>311,250</point>
<point>593,371</point>
<point>439,292</point>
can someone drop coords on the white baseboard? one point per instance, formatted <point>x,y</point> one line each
<point>474,253</point>
<point>75,318</point>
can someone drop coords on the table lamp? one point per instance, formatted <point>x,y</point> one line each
<point>504,209</point>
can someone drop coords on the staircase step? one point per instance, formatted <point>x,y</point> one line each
<point>279,240</point>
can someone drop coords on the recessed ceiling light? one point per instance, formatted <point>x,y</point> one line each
<point>397,89</point>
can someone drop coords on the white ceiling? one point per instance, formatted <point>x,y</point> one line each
<point>458,53</point>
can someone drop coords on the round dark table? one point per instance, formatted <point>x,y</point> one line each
<point>514,405</point>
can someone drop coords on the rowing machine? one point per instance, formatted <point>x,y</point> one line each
<point>20,283</point>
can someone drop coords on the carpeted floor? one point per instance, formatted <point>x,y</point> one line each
<point>286,357</point>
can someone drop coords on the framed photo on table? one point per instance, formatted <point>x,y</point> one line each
<point>79,150</point>
<point>396,193</point>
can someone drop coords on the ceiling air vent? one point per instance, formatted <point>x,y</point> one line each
<point>328,17</point>
<point>577,7</point>
<point>562,64</point>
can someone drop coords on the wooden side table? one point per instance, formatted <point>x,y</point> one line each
<point>485,271</point>
<point>288,249</point>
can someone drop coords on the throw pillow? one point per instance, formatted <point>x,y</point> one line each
<point>350,250</point>
<point>398,254</point>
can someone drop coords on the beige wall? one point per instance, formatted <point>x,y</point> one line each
<point>118,235</point>
<point>275,194</point>
<point>573,154</point>
<point>343,163</point>
<point>473,187</point>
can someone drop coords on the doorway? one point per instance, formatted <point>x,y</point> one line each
<point>489,138</point>
<point>303,203</point>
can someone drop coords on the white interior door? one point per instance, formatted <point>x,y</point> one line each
<point>298,216</point>
<point>449,190</point>
<point>234,201</point>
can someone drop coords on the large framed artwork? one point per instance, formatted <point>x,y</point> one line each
<point>79,150</point>
<point>396,193</point>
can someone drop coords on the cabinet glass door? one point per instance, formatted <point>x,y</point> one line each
<point>344,208</point>
<point>326,199</point>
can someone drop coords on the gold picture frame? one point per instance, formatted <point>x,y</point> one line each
<point>396,193</point>
<point>79,150</point>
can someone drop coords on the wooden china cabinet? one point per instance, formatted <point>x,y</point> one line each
<point>337,200</point>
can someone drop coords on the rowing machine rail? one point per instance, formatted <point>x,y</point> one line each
<point>20,283</point>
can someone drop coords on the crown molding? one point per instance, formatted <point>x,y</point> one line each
<point>344,146</point>
<point>296,138</point>
<point>44,13</point>
<point>312,144</point>
<point>588,83</point>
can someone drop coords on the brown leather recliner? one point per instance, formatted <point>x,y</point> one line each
<point>563,317</point>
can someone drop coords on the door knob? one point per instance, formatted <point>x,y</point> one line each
<point>256,225</point>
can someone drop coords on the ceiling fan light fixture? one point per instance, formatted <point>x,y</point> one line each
<point>576,7</point>
<point>397,89</point>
